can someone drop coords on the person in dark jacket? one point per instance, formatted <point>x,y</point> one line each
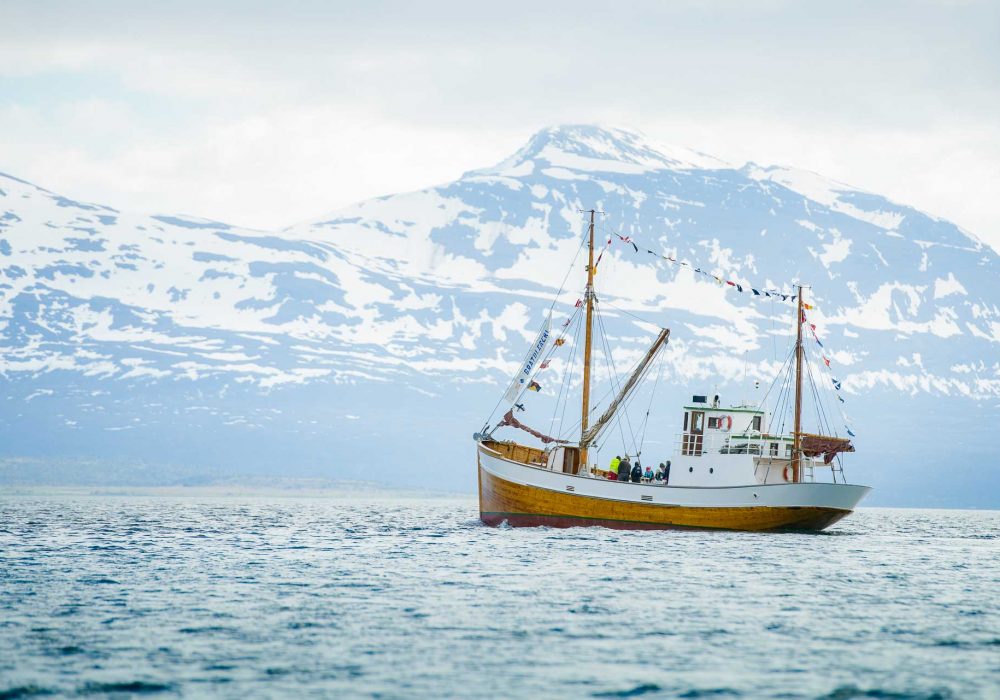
<point>666,473</point>
<point>637,472</point>
<point>624,469</point>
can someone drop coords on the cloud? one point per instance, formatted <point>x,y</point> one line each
<point>264,117</point>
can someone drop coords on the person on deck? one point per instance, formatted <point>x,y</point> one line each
<point>666,472</point>
<point>648,475</point>
<point>636,472</point>
<point>624,469</point>
<point>659,472</point>
<point>614,465</point>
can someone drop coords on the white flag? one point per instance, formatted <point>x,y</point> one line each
<point>524,372</point>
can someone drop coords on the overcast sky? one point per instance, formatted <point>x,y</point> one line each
<point>266,114</point>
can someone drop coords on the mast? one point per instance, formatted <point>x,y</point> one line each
<point>589,296</point>
<point>797,432</point>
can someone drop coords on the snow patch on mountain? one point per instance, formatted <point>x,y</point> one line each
<point>450,282</point>
<point>946,286</point>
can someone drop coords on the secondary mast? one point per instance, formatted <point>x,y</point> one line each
<point>589,298</point>
<point>797,432</point>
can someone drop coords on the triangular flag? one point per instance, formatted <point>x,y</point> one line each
<point>566,322</point>
<point>849,432</point>
<point>544,365</point>
<point>559,341</point>
<point>841,398</point>
<point>755,292</point>
<point>731,284</point>
<point>578,304</point>
<point>808,306</point>
<point>826,360</point>
<point>534,386</point>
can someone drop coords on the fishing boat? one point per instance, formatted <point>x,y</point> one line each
<point>732,467</point>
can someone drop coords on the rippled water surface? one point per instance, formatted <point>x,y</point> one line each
<point>342,597</point>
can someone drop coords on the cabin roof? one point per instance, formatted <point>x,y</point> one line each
<point>720,409</point>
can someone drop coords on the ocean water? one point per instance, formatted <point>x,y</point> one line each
<point>389,597</point>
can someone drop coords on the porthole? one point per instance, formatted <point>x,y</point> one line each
<point>690,469</point>
<point>711,470</point>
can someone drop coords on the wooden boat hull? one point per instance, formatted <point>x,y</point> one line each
<point>523,495</point>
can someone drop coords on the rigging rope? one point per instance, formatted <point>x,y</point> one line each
<point>645,422</point>
<point>555,299</point>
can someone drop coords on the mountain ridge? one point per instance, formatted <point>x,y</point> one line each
<point>425,299</point>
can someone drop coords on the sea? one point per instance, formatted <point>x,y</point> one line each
<point>330,595</point>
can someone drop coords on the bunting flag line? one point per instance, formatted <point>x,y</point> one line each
<point>598,261</point>
<point>837,385</point>
<point>769,293</point>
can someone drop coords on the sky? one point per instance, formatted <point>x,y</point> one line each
<point>268,114</point>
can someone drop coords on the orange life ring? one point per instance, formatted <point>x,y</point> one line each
<point>725,423</point>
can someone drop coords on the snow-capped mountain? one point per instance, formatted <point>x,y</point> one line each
<point>372,342</point>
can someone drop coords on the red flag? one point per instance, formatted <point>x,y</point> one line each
<point>546,364</point>
<point>827,361</point>
<point>731,284</point>
<point>579,303</point>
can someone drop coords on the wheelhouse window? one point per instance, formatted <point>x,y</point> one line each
<point>756,423</point>
<point>697,421</point>
<point>713,422</point>
<point>774,449</point>
<point>788,451</point>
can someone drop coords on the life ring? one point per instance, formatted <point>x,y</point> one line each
<point>725,423</point>
<point>787,474</point>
